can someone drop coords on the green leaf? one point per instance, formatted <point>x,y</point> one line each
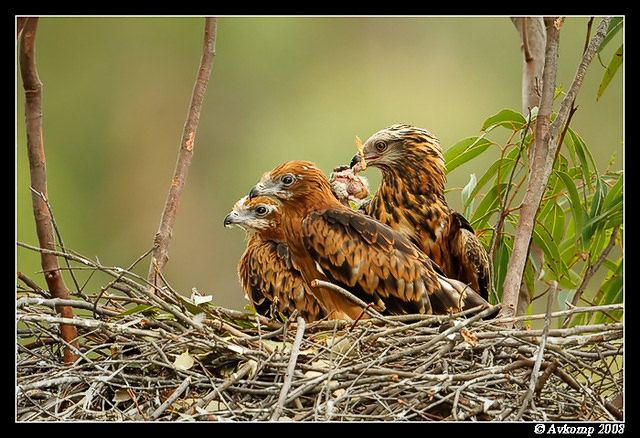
<point>610,71</point>
<point>503,252</point>
<point>578,148</point>
<point>605,212</point>
<point>506,118</point>
<point>615,25</point>
<point>489,205</point>
<point>598,197</point>
<point>611,291</point>
<point>556,223</point>
<point>574,199</point>
<point>501,167</point>
<point>551,252</point>
<point>614,196</point>
<point>464,151</point>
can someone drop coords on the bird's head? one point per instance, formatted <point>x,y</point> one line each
<point>397,146</point>
<point>259,214</point>
<point>294,182</point>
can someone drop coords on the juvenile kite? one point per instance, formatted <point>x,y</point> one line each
<point>269,281</point>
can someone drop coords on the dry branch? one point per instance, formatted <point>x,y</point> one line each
<point>38,173</point>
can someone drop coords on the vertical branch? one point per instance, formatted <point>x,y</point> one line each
<point>547,135</point>
<point>163,236</point>
<point>37,169</point>
<point>533,42</point>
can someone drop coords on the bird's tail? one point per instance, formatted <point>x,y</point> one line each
<point>454,296</point>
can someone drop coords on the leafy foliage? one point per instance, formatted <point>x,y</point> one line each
<point>615,26</point>
<point>579,222</point>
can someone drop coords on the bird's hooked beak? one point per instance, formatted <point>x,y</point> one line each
<point>256,191</point>
<point>230,219</point>
<point>265,187</point>
<point>356,162</point>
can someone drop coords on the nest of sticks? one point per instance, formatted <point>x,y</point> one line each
<point>146,356</point>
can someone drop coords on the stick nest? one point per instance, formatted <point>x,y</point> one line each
<point>144,356</point>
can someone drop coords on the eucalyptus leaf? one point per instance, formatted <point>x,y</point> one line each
<point>610,71</point>
<point>507,118</point>
<point>464,151</point>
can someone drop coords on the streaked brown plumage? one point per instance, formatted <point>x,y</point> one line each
<point>329,241</point>
<point>411,199</point>
<point>269,281</point>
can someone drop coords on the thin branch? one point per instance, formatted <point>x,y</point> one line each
<point>288,377</point>
<point>543,341</point>
<point>163,236</point>
<point>348,295</point>
<point>173,397</point>
<point>59,236</point>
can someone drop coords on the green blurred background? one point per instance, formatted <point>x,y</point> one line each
<point>116,93</point>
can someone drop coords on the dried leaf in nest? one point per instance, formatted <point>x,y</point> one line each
<point>184,361</point>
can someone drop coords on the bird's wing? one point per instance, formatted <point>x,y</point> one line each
<point>469,258</point>
<point>272,285</point>
<point>371,260</point>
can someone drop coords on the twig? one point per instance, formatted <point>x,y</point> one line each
<point>89,323</point>
<point>60,240</point>
<point>55,302</point>
<point>173,397</point>
<point>293,358</point>
<point>218,390</point>
<point>348,295</point>
<point>574,310</point>
<point>543,341</point>
<point>163,236</point>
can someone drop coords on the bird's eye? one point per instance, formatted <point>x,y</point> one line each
<point>261,210</point>
<point>381,146</point>
<point>287,180</point>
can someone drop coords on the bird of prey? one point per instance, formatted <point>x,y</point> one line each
<point>411,199</point>
<point>331,242</point>
<point>267,278</point>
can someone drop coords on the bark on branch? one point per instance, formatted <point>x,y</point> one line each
<point>547,135</point>
<point>162,238</point>
<point>38,174</point>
